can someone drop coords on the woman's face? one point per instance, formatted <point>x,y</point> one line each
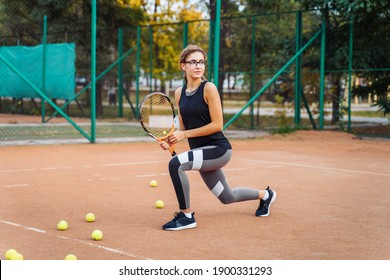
<point>194,66</point>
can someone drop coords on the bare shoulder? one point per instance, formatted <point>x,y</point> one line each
<point>210,92</point>
<point>210,89</point>
<point>209,86</point>
<point>178,94</point>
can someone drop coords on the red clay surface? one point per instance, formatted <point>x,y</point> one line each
<point>333,201</point>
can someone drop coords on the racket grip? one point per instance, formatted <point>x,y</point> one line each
<point>172,151</point>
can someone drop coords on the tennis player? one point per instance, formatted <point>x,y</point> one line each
<point>201,122</point>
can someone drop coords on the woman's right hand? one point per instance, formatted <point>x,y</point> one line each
<point>164,144</point>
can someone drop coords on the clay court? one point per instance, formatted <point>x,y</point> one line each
<point>333,201</point>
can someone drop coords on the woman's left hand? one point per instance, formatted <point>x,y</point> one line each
<point>177,136</point>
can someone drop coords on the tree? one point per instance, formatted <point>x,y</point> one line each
<point>228,8</point>
<point>273,42</point>
<point>371,40</point>
<point>166,23</point>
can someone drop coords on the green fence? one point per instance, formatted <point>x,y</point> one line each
<point>271,70</point>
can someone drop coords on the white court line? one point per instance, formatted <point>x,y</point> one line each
<point>130,163</point>
<point>238,168</point>
<point>152,175</point>
<point>273,166</point>
<point>19,170</point>
<point>57,168</point>
<point>105,248</point>
<point>318,167</point>
<point>83,166</point>
<point>15,185</point>
<point>107,178</point>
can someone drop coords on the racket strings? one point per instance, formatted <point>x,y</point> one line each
<point>157,116</point>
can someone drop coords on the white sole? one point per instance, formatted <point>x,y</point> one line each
<point>193,225</point>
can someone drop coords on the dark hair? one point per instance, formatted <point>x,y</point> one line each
<point>190,49</point>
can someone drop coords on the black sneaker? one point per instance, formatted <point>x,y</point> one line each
<point>180,221</point>
<point>265,205</point>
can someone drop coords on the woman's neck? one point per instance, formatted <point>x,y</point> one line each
<point>193,84</point>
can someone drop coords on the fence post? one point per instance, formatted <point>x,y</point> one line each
<point>210,57</point>
<point>150,58</point>
<point>44,42</point>
<point>93,72</point>
<point>137,66</point>
<point>185,34</point>
<point>350,69</point>
<point>298,70</point>
<point>322,74</point>
<point>216,42</point>
<point>120,73</point>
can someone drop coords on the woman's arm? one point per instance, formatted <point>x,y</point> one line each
<point>177,99</point>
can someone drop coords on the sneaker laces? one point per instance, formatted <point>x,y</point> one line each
<point>176,216</point>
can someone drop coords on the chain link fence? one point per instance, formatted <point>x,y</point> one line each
<point>132,61</point>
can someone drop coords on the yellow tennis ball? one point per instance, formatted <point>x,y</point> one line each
<point>62,225</point>
<point>71,257</point>
<point>17,257</point>
<point>97,234</point>
<point>10,253</point>
<point>90,217</point>
<point>159,204</point>
<point>153,183</point>
<point>164,132</point>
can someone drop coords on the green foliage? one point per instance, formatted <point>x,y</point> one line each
<point>162,39</point>
<point>18,106</point>
<point>274,35</point>
<point>281,115</point>
<point>284,130</point>
<point>371,39</point>
<point>384,105</point>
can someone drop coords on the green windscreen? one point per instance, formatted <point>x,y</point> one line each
<point>59,64</point>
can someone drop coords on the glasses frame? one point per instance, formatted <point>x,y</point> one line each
<point>194,63</point>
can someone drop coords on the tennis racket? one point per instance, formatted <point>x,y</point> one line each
<point>157,117</point>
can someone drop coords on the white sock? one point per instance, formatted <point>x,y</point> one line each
<point>266,195</point>
<point>188,215</point>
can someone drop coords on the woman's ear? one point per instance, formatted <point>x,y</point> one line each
<point>182,66</point>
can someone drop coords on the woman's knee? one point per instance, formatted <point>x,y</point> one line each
<point>174,164</point>
<point>225,198</point>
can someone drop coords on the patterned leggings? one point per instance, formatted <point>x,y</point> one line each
<point>208,161</point>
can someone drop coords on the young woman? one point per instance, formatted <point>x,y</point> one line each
<point>201,122</point>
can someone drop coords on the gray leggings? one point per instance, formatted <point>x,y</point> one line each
<point>208,161</point>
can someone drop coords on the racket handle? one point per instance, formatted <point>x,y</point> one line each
<point>172,151</point>
<point>171,148</point>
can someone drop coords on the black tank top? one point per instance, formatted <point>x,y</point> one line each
<point>195,113</point>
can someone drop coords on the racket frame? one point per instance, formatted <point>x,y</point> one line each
<point>159,139</point>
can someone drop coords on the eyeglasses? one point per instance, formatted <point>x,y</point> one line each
<point>194,63</point>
